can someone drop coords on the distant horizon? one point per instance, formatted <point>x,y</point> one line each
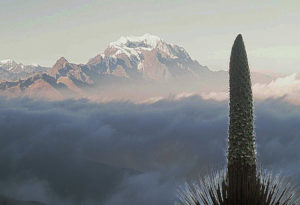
<point>39,33</point>
<point>101,52</point>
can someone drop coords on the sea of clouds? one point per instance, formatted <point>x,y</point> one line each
<point>82,152</point>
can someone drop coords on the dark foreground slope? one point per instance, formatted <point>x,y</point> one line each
<point>10,201</point>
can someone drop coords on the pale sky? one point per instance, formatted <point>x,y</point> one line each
<point>40,31</point>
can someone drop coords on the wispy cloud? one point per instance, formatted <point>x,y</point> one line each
<point>287,88</point>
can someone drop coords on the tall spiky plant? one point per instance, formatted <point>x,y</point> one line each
<point>241,141</point>
<point>240,184</point>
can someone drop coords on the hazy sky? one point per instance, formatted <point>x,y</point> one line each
<point>39,31</point>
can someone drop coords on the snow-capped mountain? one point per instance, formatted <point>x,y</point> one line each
<point>11,70</point>
<point>143,59</point>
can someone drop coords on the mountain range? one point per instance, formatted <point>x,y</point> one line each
<point>11,70</point>
<point>140,60</point>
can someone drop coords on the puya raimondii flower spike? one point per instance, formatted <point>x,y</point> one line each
<point>241,141</point>
<point>240,183</point>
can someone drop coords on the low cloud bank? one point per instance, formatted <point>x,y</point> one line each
<point>78,152</point>
<point>286,88</point>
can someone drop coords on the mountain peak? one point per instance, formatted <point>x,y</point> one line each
<point>145,41</point>
<point>61,61</point>
<point>7,61</point>
<point>137,48</point>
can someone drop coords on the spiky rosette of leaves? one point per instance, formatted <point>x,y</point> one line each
<point>269,189</point>
<point>211,189</point>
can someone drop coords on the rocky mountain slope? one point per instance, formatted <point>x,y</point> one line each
<point>11,70</point>
<point>143,59</point>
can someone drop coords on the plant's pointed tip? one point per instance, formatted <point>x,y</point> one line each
<point>238,46</point>
<point>239,39</point>
<point>239,36</point>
